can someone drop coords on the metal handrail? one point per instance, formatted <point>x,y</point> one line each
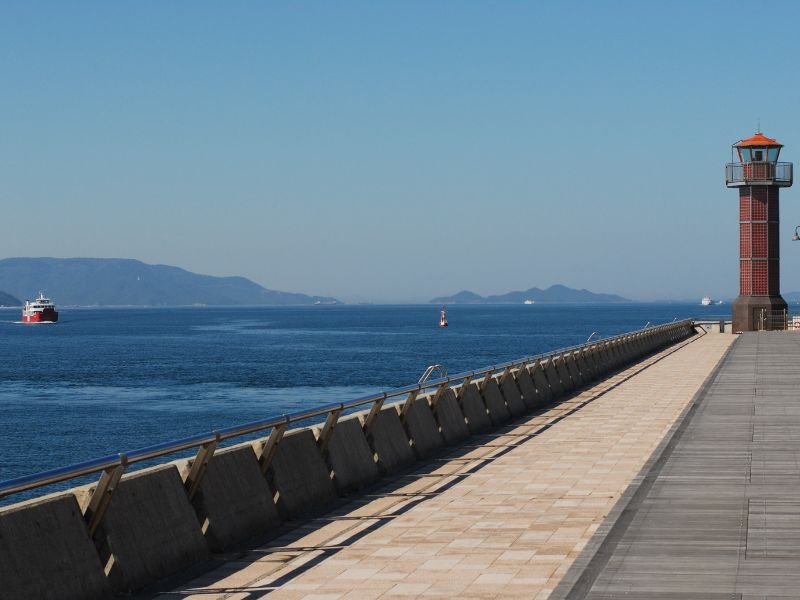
<point>123,459</point>
<point>431,370</point>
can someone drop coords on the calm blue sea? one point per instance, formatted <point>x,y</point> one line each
<point>108,380</point>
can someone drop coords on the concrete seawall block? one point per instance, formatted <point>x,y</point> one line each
<point>512,396</point>
<point>474,410</point>
<point>592,356</point>
<point>389,441</point>
<point>582,367</point>
<point>604,359</point>
<point>350,456</point>
<point>572,368</point>
<point>630,346</point>
<point>451,420</point>
<point>614,354</point>
<point>563,374</point>
<point>623,350</point>
<point>496,405</point>
<point>422,428</point>
<point>526,388</point>
<point>637,346</point>
<point>150,529</point>
<point>645,342</point>
<point>640,345</point>
<point>553,378</point>
<point>299,475</point>
<point>234,502</point>
<point>543,391</point>
<point>657,341</point>
<point>628,350</point>
<point>620,350</point>
<point>45,552</point>
<point>648,342</point>
<point>661,340</point>
<point>586,368</point>
<point>651,342</point>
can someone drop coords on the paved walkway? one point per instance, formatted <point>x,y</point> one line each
<point>504,517</point>
<point>719,515</point>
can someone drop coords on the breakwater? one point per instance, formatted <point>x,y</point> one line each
<point>127,531</point>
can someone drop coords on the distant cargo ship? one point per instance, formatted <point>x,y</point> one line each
<point>41,310</point>
<point>707,301</point>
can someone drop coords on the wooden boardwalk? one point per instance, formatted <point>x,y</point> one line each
<point>502,517</point>
<point>719,515</point>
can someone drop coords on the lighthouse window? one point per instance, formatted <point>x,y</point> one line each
<point>772,154</point>
<point>758,155</point>
<point>745,152</point>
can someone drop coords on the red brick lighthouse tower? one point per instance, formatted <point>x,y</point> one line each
<point>759,177</point>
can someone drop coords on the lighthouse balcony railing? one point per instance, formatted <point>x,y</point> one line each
<point>758,173</point>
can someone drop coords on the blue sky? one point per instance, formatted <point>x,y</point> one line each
<point>396,151</point>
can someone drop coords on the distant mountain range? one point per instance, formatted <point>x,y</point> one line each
<point>126,282</point>
<point>9,300</point>
<point>556,294</point>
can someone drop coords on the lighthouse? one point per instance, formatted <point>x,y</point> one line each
<point>759,177</point>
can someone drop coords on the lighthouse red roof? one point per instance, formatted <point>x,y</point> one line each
<point>758,139</point>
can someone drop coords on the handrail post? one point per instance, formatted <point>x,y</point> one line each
<point>327,428</point>
<point>200,466</point>
<point>373,414</point>
<point>438,393</point>
<point>485,381</point>
<point>464,385</point>
<point>271,446</point>
<point>101,498</point>
<point>412,396</point>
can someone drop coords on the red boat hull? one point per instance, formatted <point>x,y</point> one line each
<point>45,316</point>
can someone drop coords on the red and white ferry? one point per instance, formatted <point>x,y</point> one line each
<point>41,310</point>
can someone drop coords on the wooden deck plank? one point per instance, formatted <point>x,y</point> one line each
<point>723,516</point>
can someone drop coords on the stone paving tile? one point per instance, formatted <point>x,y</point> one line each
<point>509,529</point>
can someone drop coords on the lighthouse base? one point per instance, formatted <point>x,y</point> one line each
<point>759,313</point>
